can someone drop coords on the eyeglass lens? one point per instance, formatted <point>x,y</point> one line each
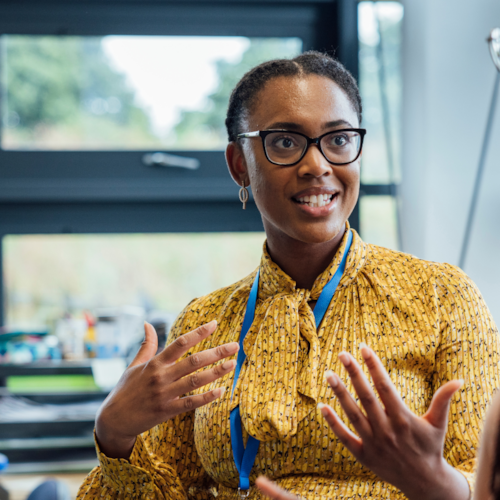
<point>286,148</point>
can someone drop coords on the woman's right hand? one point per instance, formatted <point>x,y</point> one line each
<point>150,390</point>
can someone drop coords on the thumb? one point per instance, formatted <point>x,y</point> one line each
<point>148,347</point>
<point>437,414</point>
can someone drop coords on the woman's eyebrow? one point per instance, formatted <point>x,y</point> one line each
<point>298,127</point>
<point>336,123</point>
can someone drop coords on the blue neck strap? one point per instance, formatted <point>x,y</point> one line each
<point>245,457</point>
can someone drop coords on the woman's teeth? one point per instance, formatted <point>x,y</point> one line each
<point>319,200</point>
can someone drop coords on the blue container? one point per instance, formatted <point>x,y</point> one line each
<point>4,461</point>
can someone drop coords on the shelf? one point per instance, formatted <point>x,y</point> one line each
<point>57,397</point>
<point>24,430</point>
<point>52,467</point>
<point>46,368</point>
<point>46,442</point>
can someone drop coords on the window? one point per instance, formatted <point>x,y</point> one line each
<point>86,99</point>
<point>124,92</point>
<point>380,85</point>
<point>85,273</point>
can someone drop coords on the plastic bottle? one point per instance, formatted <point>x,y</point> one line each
<point>90,336</point>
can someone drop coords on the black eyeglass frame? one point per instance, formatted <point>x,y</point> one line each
<point>264,133</point>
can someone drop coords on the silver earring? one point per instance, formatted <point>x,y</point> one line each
<point>243,194</point>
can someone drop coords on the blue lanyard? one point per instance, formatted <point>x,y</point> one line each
<point>245,457</point>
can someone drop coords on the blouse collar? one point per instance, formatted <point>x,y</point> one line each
<point>274,280</point>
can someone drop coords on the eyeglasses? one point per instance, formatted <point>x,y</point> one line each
<point>283,147</point>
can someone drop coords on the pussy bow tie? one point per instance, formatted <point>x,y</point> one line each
<point>278,385</point>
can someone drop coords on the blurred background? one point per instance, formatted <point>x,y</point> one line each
<point>115,202</point>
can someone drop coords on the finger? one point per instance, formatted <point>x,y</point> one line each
<point>437,414</point>
<point>351,409</point>
<point>389,395</point>
<point>182,344</point>
<point>374,410</point>
<point>202,359</point>
<point>272,490</point>
<point>148,347</point>
<point>182,405</point>
<point>199,379</point>
<point>352,442</point>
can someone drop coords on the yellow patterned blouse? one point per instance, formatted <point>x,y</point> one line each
<point>426,321</point>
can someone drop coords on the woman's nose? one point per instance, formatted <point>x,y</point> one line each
<point>314,164</point>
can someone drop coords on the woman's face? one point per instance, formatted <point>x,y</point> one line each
<point>312,105</point>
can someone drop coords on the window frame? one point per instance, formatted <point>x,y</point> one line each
<point>51,192</point>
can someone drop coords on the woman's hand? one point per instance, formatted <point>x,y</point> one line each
<point>401,448</point>
<point>149,391</point>
<point>272,490</point>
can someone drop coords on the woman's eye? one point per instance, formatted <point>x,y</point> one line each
<point>339,140</point>
<point>284,142</point>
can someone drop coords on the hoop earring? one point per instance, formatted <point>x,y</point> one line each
<point>243,195</point>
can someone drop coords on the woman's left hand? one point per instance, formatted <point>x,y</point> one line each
<point>400,447</point>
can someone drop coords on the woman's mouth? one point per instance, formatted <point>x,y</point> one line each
<point>314,201</point>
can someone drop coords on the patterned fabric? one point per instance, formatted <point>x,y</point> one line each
<point>427,322</point>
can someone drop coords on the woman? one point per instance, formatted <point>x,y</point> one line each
<point>488,470</point>
<point>320,302</point>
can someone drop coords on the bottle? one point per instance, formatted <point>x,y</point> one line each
<point>4,461</point>
<point>90,336</point>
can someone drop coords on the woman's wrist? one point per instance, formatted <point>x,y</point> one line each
<point>444,483</point>
<point>112,444</point>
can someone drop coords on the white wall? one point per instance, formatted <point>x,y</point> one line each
<point>448,80</point>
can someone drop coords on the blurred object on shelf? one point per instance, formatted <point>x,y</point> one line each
<point>107,372</point>
<point>25,346</point>
<point>42,384</point>
<point>17,409</point>
<point>90,341</point>
<point>71,331</point>
<point>4,462</point>
<point>118,329</point>
<point>162,322</point>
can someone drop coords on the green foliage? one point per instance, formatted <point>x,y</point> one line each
<point>207,126</point>
<point>66,91</point>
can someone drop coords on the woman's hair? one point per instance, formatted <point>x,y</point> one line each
<point>309,63</point>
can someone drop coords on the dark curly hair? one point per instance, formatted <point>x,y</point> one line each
<point>308,63</point>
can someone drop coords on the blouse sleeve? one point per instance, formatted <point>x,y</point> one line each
<point>164,464</point>
<point>468,350</point>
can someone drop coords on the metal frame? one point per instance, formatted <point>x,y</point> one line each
<point>113,191</point>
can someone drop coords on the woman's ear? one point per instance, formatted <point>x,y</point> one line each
<point>236,164</point>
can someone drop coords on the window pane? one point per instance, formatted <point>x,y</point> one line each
<point>59,276</point>
<point>124,92</point>
<point>385,18</point>
<point>378,221</point>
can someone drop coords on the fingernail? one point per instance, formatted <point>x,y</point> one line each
<point>331,378</point>
<point>322,408</point>
<point>220,391</point>
<point>228,365</point>
<point>462,382</point>
<point>345,359</point>
<point>212,323</point>
<point>364,353</point>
